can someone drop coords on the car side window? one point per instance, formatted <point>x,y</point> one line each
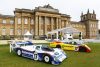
<point>38,47</point>
<point>47,49</point>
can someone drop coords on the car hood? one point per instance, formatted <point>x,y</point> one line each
<point>60,54</point>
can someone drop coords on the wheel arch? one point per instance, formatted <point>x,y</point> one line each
<point>51,57</point>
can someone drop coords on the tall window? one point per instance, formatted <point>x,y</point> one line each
<point>4,22</point>
<point>4,31</point>
<point>11,31</point>
<point>32,22</point>
<point>25,30</point>
<point>48,27</point>
<point>19,20</point>
<point>26,21</point>
<point>19,31</point>
<point>31,31</point>
<point>11,22</point>
<point>42,23</point>
<point>91,25</point>
<point>63,23</point>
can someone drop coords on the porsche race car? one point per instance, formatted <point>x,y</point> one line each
<point>62,45</point>
<point>40,52</point>
<point>70,46</point>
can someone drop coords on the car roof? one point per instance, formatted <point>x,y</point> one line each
<point>27,42</point>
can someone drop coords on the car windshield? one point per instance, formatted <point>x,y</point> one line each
<point>46,48</point>
<point>28,43</point>
<point>24,43</point>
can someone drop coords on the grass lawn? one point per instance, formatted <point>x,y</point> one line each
<point>75,59</point>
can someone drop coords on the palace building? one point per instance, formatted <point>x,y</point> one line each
<point>43,19</point>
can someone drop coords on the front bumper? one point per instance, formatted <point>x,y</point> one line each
<point>59,59</point>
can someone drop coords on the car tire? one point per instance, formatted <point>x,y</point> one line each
<point>46,59</point>
<point>76,48</point>
<point>19,52</point>
<point>58,46</point>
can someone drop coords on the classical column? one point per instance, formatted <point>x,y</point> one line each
<point>39,25</point>
<point>45,27</point>
<point>51,23</point>
<point>56,23</point>
<point>59,23</point>
<point>16,22</point>
<point>22,23</point>
<point>65,23</point>
<point>36,25</point>
<point>29,21</point>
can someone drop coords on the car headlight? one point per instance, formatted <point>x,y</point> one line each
<point>55,58</point>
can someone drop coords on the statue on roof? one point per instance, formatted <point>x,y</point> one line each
<point>48,6</point>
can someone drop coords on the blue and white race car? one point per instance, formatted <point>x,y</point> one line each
<point>40,52</point>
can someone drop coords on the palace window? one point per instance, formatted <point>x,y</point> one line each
<point>11,22</point>
<point>25,30</point>
<point>26,21</point>
<point>32,22</point>
<point>19,31</point>
<point>11,31</point>
<point>64,23</point>
<point>4,22</point>
<point>4,31</point>
<point>91,25</point>
<point>48,27</point>
<point>31,31</point>
<point>42,26</point>
<point>19,20</point>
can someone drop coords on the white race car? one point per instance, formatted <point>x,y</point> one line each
<point>40,52</point>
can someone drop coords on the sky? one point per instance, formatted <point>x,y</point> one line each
<point>74,8</point>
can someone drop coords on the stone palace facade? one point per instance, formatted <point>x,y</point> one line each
<point>43,19</point>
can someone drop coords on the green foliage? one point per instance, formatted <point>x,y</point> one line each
<point>75,59</point>
<point>6,37</point>
<point>1,37</point>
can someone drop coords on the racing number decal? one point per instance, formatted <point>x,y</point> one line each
<point>35,56</point>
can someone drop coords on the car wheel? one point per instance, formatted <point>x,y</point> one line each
<point>58,46</point>
<point>76,48</point>
<point>19,52</point>
<point>47,59</point>
<point>82,49</point>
